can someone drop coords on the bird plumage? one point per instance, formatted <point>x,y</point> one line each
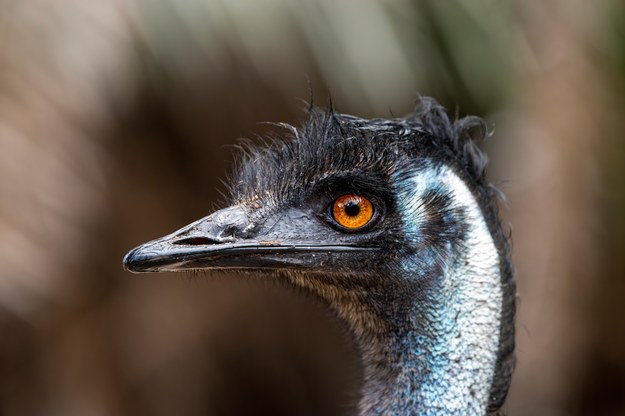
<point>426,286</point>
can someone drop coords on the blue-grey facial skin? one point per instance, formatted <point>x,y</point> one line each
<point>425,287</point>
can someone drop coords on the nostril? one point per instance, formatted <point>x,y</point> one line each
<point>231,230</point>
<point>196,241</point>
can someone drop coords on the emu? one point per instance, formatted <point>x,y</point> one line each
<point>393,225</point>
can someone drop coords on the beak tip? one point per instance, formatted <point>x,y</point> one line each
<point>132,261</point>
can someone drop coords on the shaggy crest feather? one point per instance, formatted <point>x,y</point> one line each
<point>330,142</point>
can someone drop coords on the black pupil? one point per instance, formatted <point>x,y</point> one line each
<point>352,208</point>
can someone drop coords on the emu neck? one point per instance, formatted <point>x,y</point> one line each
<point>429,347</point>
<point>437,354</point>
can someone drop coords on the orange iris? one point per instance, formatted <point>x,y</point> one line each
<point>352,211</point>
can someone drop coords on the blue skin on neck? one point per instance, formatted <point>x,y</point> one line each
<point>441,347</point>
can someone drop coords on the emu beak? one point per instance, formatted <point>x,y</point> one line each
<point>223,240</point>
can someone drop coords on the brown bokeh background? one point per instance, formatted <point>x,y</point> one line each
<point>116,125</point>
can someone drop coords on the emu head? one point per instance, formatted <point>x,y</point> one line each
<point>392,223</point>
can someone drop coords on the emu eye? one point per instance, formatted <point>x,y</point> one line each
<point>352,211</point>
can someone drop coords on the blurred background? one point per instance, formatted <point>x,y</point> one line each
<point>116,125</point>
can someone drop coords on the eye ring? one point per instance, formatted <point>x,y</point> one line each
<point>352,212</point>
